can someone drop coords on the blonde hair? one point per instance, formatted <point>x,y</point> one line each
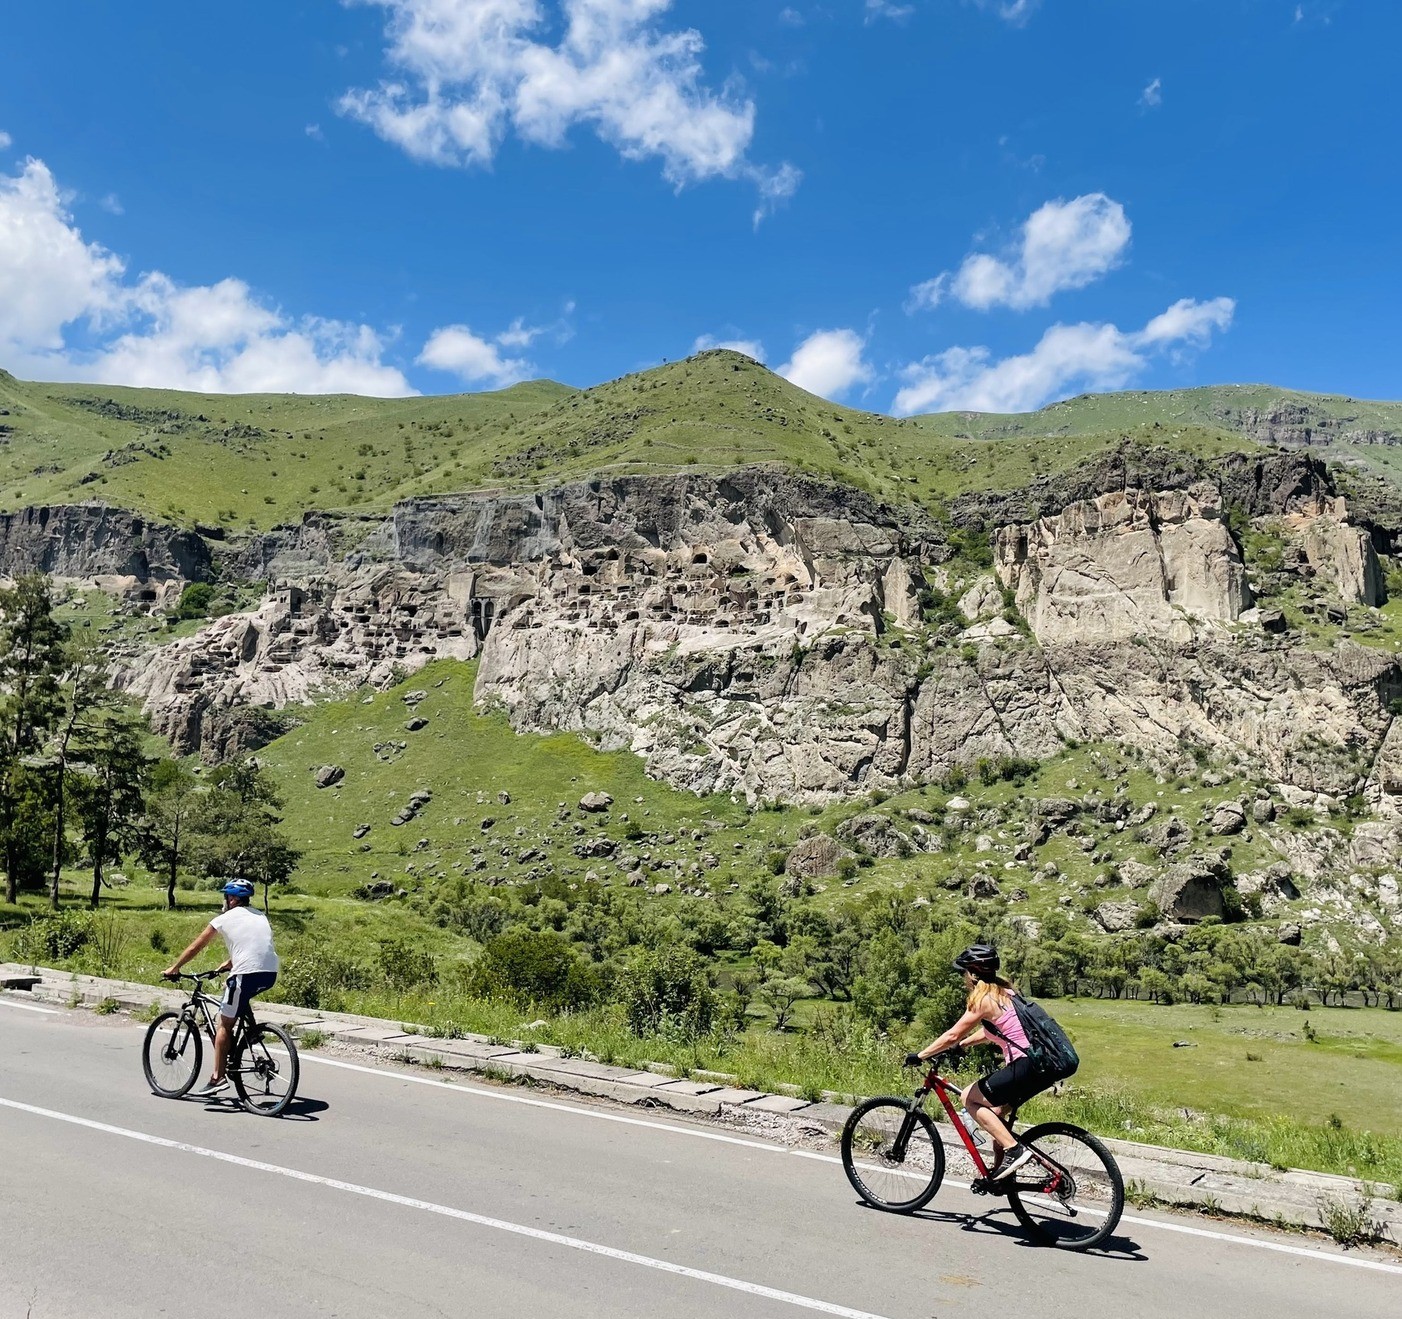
<point>996,993</point>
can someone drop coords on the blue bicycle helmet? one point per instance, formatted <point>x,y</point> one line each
<point>238,888</point>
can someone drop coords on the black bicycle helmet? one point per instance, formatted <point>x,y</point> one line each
<point>980,961</point>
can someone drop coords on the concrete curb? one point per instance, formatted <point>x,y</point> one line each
<point>1294,1197</point>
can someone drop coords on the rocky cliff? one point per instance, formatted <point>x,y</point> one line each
<point>778,636</point>
<point>110,547</point>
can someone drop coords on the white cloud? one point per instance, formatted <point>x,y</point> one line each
<point>314,132</point>
<point>927,295</point>
<point>1016,12</point>
<point>1064,245</point>
<point>69,312</point>
<point>468,71</point>
<point>112,204</point>
<point>1066,359</point>
<point>1152,95</point>
<point>473,359</point>
<point>750,347</point>
<point>829,363</point>
<point>5,140</point>
<point>887,9</point>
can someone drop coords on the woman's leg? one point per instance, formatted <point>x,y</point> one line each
<point>988,1117</point>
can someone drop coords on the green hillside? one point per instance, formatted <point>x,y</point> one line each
<point>242,460</point>
<point>256,460</point>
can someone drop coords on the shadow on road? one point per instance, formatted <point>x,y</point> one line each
<point>299,1110</point>
<point>1116,1247</point>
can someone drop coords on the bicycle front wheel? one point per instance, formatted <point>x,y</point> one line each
<point>1071,1195</point>
<point>893,1155</point>
<point>172,1054</point>
<point>265,1070</point>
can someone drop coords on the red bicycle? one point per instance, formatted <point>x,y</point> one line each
<point>1070,1195</point>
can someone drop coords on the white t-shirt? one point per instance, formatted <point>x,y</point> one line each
<point>249,939</point>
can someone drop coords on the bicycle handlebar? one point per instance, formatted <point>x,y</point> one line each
<point>196,976</point>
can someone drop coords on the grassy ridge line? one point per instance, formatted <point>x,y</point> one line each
<point>251,461</point>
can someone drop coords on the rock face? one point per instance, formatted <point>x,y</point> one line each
<point>1342,554</point>
<point>100,545</point>
<point>1127,564</point>
<point>760,633</point>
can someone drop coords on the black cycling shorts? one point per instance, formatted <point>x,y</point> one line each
<point>1015,1083</point>
<point>239,992</point>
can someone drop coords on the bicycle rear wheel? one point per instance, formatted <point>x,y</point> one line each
<point>1074,1199</point>
<point>893,1156</point>
<point>172,1054</point>
<point>265,1070</point>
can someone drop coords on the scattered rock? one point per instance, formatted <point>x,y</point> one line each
<point>983,886</point>
<point>504,797</point>
<point>1190,891</point>
<point>876,835</point>
<point>1229,818</point>
<point>1135,874</point>
<point>816,857</point>
<point>1263,810</point>
<point>594,802</point>
<point>1116,917</point>
<point>1289,932</point>
<point>417,722</point>
<point>958,805</point>
<point>328,775</point>
<point>360,831</point>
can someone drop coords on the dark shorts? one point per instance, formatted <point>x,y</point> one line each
<point>1015,1083</point>
<point>239,992</point>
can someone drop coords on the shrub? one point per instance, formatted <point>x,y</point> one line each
<point>404,965</point>
<point>195,600</point>
<point>54,938</point>
<point>317,979</point>
<point>666,985</point>
<point>534,967</point>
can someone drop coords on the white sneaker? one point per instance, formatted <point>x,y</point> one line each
<point>1012,1161</point>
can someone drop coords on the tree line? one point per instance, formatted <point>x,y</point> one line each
<point>84,781</point>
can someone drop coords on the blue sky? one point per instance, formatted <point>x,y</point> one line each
<point>904,205</point>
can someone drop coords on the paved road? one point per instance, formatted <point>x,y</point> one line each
<point>394,1196</point>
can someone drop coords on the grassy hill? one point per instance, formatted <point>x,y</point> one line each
<point>248,461</point>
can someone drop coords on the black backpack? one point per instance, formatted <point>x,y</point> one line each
<point>1048,1046</point>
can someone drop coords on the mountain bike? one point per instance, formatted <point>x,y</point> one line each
<point>1070,1195</point>
<point>263,1062</point>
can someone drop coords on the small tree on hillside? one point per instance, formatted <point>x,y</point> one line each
<point>171,805</point>
<point>237,833</point>
<point>84,692</point>
<point>112,799</point>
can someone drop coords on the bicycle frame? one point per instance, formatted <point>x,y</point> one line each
<point>947,1093</point>
<point>203,1009</point>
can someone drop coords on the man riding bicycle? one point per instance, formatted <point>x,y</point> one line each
<point>252,964</point>
<point>990,1018</point>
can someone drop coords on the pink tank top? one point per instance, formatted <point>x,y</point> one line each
<point>1016,1044</point>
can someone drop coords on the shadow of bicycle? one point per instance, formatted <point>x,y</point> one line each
<point>299,1110</point>
<point>991,1224</point>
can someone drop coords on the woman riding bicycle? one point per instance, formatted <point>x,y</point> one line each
<point>990,1018</point>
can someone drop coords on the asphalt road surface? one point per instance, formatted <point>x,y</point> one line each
<point>400,1194</point>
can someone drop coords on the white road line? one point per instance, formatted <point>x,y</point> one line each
<point>29,1007</point>
<point>1185,1229</point>
<point>446,1211</point>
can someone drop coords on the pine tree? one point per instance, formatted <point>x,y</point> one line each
<point>31,664</point>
